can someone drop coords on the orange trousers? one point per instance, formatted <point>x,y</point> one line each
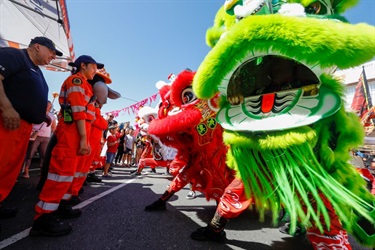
<point>63,164</point>
<point>13,146</point>
<point>84,163</point>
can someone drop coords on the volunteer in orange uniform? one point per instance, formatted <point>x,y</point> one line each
<point>100,90</point>
<point>73,130</point>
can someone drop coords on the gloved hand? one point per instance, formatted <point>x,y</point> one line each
<point>48,120</point>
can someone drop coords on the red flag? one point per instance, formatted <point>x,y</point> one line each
<point>362,96</point>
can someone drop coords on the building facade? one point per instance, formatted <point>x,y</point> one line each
<point>350,78</point>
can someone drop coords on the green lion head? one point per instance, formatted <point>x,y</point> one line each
<point>281,108</point>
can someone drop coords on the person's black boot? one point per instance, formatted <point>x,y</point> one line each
<point>214,230</point>
<point>208,234</point>
<point>158,205</point>
<point>91,177</point>
<point>75,200</point>
<point>49,225</point>
<point>65,211</point>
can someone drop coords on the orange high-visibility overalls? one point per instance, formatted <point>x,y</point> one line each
<point>83,167</point>
<point>76,92</point>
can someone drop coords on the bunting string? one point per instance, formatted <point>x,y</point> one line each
<point>135,107</point>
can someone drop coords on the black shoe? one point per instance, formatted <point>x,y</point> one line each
<point>208,234</point>
<point>8,212</point>
<point>67,212</point>
<point>135,172</point>
<point>158,205</point>
<point>93,178</point>
<point>153,170</point>
<point>75,200</point>
<point>49,225</point>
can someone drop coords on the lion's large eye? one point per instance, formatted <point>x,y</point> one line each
<point>188,95</point>
<point>149,118</point>
<point>313,8</point>
<point>321,7</point>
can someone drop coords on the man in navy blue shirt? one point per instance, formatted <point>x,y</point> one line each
<point>23,101</point>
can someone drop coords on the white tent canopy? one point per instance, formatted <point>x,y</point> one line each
<point>22,20</point>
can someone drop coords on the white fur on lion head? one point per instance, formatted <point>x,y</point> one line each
<point>161,84</point>
<point>292,9</point>
<point>147,114</point>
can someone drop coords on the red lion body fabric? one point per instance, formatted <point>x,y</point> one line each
<point>189,125</point>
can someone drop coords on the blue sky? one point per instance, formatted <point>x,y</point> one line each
<point>143,41</point>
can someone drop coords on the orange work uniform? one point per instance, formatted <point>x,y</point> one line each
<point>84,163</point>
<point>13,145</point>
<point>77,93</point>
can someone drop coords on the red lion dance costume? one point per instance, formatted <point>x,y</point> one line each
<point>189,125</point>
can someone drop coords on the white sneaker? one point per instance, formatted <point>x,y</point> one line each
<point>191,195</point>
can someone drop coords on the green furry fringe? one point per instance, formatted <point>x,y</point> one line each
<point>283,170</point>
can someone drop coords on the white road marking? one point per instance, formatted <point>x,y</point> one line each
<point>13,239</point>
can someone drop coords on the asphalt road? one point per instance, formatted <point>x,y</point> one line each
<point>114,218</point>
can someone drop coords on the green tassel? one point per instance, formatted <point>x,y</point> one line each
<point>293,177</point>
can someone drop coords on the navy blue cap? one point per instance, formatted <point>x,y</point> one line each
<point>46,42</point>
<point>85,59</point>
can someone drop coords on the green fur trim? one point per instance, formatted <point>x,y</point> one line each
<point>333,83</point>
<point>222,22</point>
<point>278,140</point>
<point>291,176</point>
<point>314,41</point>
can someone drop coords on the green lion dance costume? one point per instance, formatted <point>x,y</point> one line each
<point>283,113</point>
